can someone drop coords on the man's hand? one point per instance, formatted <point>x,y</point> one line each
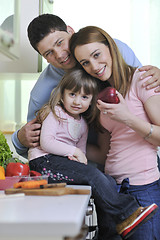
<point>154,81</point>
<point>29,134</point>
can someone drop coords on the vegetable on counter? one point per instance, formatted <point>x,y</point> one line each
<point>17,169</point>
<point>5,152</point>
<point>34,173</point>
<point>30,184</point>
<point>2,173</point>
<point>12,166</point>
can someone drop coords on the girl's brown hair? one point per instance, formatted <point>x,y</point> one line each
<point>121,72</point>
<point>74,80</point>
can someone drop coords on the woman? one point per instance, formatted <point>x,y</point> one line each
<point>133,124</point>
<point>61,154</point>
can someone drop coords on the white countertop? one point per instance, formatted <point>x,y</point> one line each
<point>42,217</point>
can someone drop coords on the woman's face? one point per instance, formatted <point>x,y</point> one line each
<point>96,59</point>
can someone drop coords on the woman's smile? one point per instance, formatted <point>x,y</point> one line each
<point>101,71</point>
<point>96,59</point>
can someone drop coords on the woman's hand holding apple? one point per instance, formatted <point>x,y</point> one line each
<point>118,112</point>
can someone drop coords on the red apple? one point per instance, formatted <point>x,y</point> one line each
<point>108,95</point>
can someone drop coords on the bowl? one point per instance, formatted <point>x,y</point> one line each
<point>8,182</point>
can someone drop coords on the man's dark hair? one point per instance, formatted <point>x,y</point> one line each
<point>42,25</point>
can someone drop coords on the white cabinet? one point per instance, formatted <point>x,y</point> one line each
<point>43,217</point>
<point>9,30</point>
<point>16,53</point>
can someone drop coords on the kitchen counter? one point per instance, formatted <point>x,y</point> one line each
<point>42,217</point>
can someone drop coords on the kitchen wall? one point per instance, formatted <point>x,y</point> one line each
<point>14,96</point>
<point>17,77</point>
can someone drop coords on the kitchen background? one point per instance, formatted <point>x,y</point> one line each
<point>135,22</point>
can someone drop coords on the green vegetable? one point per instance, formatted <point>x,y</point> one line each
<point>5,152</point>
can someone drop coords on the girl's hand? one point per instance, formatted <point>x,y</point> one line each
<point>154,81</point>
<point>118,112</point>
<point>78,156</point>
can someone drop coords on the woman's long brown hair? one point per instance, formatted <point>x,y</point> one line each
<point>121,72</point>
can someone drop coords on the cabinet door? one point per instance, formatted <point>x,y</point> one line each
<point>9,30</point>
<point>27,59</point>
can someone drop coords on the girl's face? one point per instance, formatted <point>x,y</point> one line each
<point>95,58</point>
<point>76,103</point>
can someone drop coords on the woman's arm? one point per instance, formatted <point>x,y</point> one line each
<point>152,107</point>
<point>150,133</point>
<point>144,129</point>
<point>121,113</point>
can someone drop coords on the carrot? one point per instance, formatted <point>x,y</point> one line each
<point>18,184</point>
<point>30,184</point>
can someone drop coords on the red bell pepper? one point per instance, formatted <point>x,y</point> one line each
<point>17,169</point>
<point>34,173</point>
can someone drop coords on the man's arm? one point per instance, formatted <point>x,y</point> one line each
<point>154,81</point>
<point>26,137</point>
<point>131,59</point>
<point>29,134</point>
<point>128,54</point>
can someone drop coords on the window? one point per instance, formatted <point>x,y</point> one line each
<point>132,21</point>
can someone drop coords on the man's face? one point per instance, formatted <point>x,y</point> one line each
<point>55,49</point>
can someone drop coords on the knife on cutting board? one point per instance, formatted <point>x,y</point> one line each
<point>53,185</point>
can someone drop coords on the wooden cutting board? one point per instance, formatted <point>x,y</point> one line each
<point>48,191</point>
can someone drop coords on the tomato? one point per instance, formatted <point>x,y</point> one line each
<point>17,169</point>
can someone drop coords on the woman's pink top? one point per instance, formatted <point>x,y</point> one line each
<point>61,137</point>
<point>131,156</point>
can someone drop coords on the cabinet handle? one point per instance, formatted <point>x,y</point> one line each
<point>7,41</point>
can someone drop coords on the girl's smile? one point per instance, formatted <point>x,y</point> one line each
<point>76,103</point>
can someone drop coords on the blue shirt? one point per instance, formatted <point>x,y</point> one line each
<point>49,79</point>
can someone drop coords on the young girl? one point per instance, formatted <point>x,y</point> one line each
<point>63,137</point>
<point>133,125</point>
<point>71,107</point>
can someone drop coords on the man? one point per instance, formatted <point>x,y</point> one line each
<point>49,36</point>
